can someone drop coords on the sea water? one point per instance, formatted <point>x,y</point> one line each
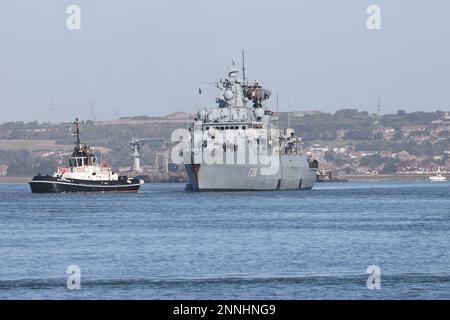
<point>165,243</point>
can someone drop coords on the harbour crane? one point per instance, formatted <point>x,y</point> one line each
<point>136,154</point>
<point>165,167</point>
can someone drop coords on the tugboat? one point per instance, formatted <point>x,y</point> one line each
<point>84,174</point>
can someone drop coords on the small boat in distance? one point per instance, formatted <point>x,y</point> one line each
<point>83,174</point>
<point>438,177</point>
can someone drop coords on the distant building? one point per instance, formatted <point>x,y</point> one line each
<point>318,148</point>
<point>404,156</point>
<point>408,129</point>
<point>367,153</point>
<point>389,133</point>
<point>339,150</point>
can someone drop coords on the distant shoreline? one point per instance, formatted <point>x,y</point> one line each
<point>15,179</point>
<point>380,177</point>
<point>387,177</point>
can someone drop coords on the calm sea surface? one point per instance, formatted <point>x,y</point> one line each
<point>164,243</point>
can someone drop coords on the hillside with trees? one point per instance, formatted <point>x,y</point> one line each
<point>348,140</point>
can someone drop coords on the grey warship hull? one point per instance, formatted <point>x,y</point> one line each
<point>292,175</point>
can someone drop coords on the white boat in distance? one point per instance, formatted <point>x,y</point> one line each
<point>438,177</point>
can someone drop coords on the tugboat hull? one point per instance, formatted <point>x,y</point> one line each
<point>50,184</point>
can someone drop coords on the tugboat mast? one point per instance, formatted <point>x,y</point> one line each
<point>77,131</point>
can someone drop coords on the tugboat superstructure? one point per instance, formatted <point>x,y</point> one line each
<point>84,174</point>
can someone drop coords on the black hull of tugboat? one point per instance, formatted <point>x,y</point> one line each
<point>41,184</point>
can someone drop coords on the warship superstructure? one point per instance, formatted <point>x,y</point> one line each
<point>84,174</point>
<point>239,145</point>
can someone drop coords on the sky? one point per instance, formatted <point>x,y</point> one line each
<point>148,57</point>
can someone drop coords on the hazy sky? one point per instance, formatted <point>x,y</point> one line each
<point>147,57</point>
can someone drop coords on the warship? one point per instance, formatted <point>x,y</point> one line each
<point>239,146</point>
<point>84,174</point>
